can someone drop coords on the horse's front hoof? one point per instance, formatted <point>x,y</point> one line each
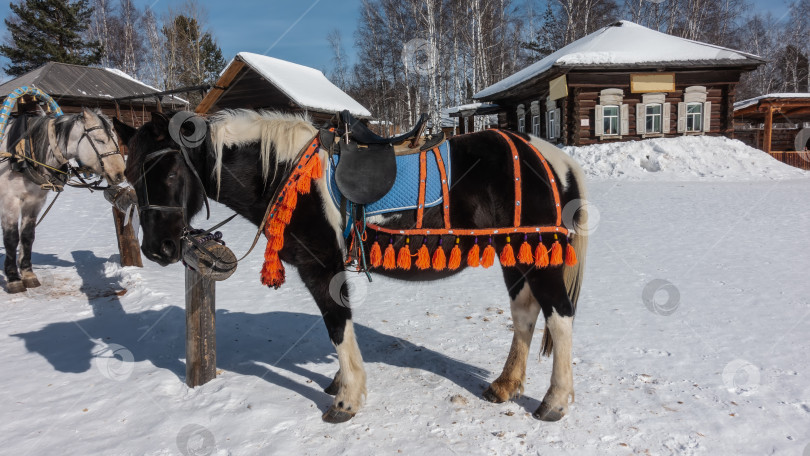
<point>335,416</point>
<point>547,413</point>
<point>31,282</point>
<point>16,287</point>
<point>332,389</point>
<point>491,396</point>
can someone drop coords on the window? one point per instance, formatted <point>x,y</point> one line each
<point>552,121</point>
<point>610,120</point>
<point>694,117</point>
<point>536,125</point>
<point>521,124</point>
<point>653,118</point>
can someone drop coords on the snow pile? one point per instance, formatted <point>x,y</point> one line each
<point>681,159</point>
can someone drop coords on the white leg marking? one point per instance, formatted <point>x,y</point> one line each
<point>562,376</point>
<point>352,375</point>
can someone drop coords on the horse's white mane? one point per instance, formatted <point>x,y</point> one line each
<point>282,133</point>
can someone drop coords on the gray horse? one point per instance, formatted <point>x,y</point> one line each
<point>88,138</point>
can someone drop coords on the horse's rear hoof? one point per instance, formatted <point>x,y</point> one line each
<point>335,416</point>
<point>332,389</point>
<point>31,282</point>
<point>547,413</point>
<point>490,395</point>
<point>16,287</point>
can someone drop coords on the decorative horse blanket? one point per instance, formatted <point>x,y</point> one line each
<point>405,194</point>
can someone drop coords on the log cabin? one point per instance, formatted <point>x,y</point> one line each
<point>623,82</point>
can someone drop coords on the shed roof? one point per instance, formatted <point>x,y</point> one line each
<point>771,96</point>
<point>61,80</point>
<point>306,87</point>
<point>625,44</point>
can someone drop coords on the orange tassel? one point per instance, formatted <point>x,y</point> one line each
<point>439,259</point>
<point>556,254</point>
<point>541,255</point>
<point>570,256</point>
<point>423,257</point>
<point>277,243</point>
<point>284,215</point>
<point>315,166</point>
<point>473,257</point>
<point>508,254</point>
<point>390,258</point>
<point>404,257</point>
<point>290,199</point>
<point>375,256</point>
<point>525,253</point>
<point>303,184</point>
<point>272,271</point>
<point>488,258</point>
<point>455,257</point>
<point>276,228</point>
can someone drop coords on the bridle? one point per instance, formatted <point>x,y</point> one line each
<point>99,155</point>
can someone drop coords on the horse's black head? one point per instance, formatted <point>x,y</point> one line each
<point>168,192</point>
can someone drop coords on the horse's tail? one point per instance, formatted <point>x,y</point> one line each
<point>564,165</point>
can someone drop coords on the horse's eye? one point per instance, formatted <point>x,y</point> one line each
<point>172,175</point>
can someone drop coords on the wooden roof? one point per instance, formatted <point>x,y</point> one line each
<point>64,81</point>
<point>793,107</point>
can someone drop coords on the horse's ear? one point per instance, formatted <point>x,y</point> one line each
<point>124,131</point>
<point>90,118</point>
<point>160,121</point>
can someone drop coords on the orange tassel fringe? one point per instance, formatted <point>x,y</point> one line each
<point>488,258</point>
<point>507,254</point>
<point>404,257</point>
<point>570,256</point>
<point>556,254</point>
<point>272,273</point>
<point>474,257</point>
<point>439,259</point>
<point>541,255</point>
<point>375,256</point>
<point>455,257</point>
<point>423,257</point>
<point>390,258</point>
<point>525,253</point>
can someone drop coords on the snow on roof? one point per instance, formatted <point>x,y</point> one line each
<point>752,101</point>
<point>467,107</point>
<point>118,72</point>
<point>306,86</point>
<point>623,42</point>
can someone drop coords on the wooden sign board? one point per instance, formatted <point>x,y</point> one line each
<point>558,88</point>
<point>652,82</point>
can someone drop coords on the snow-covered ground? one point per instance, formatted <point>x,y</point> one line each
<point>715,363</point>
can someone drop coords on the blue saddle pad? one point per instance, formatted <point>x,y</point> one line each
<point>404,195</point>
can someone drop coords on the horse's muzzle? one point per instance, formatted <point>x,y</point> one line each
<point>168,253</point>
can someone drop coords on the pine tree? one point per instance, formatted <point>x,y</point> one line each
<point>49,30</point>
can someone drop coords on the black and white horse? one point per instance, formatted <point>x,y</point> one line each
<point>88,138</point>
<point>243,163</point>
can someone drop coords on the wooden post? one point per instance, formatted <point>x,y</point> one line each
<point>768,129</point>
<point>203,268</point>
<point>127,241</point>
<point>201,339</point>
<point>122,199</point>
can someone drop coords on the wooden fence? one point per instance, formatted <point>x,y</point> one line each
<point>793,158</point>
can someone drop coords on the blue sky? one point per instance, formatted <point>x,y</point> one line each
<point>296,30</point>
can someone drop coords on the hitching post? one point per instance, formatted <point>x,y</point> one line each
<point>203,270</point>
<point>123,199</point>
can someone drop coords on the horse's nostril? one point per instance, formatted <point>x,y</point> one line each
<point>168,249</point>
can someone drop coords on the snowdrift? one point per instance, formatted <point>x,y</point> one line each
<point>681,159</point>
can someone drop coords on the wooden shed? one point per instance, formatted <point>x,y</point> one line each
<point>76,86</point>
<point>777,123</point>
<point>623,82</point>
<point>257,81</point>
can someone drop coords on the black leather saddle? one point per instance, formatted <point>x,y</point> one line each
<point>367,168</point>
